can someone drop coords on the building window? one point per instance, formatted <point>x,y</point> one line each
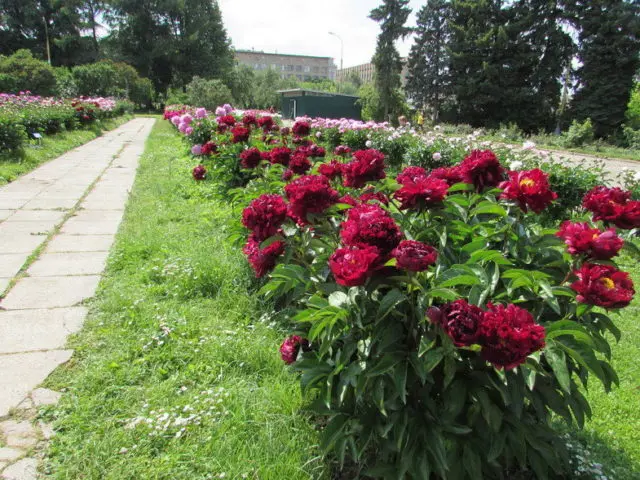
<point>307,69</point>
<point>316,69</point>
<point>289,68</point>
<point>298,68</point>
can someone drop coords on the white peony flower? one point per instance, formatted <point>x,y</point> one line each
<point>437,156</point>
<point>369,143</point>
<point>515,165</point>
<point>528,145</point>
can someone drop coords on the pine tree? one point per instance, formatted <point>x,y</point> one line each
<point>609,47</point>
<point>392,16</point>
<point>429,83</point>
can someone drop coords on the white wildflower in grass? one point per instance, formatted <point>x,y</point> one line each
<point>528,145</point>
<point>516,165</point>
<point>369,144</point>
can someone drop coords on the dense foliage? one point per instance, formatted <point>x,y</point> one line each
<point>436,322</point>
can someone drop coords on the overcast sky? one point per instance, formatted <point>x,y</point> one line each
<point>301,27</point>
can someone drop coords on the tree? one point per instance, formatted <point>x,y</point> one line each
<point>208,93</point>
<point>429,82</point>
<point>21,71</point>
<point>392,16</point>
<point>609,47</point>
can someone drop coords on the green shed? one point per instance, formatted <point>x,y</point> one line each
<point>300,102</point>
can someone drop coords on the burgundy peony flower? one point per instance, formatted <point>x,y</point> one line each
<point>349,200</point>
<point>199,172</point>
<point>508,335</point>
<point>250,158</point>
<point>266,123</point>
<point>281,155</point>
<point>411,174</point>
<point>613,205</point>
<point>330,170</point>
<point>222,128</point>
<point>460,320</point>
<point>301,128</point>
<point>367,165</point>
<point>299,164</point>
<point>353,266</point>
<point>450,175</point>
<point>316,151</point>
<point>342,151</point>
<point>285,131</point>
<point>603,286</point>
<point>249,119</point>
<point>371,196</point>
<point>291,347</point>
<point>582,239</point>
<point>482,169</point>
<point>370,225</point>
<point>228,120</point>
<point>309,194</point>
<point>264,216</point>
<point>209,148</point>
<point>529,189</point>
<point>423,193</point>
<point>414,256</point>
<point>263,260</point>
<point>240,134</point>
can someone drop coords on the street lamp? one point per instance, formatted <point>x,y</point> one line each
<point>341,49</point>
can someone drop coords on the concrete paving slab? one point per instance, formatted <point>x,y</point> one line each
<point>8,203</point>
<point>19,243</point>
<point>36,216</point>
<point>4,214</point>
<point>4,283</point>
<point>23,372</point>
<point>72,263</point>
<point>105,201</point>
<point>93,222</point>
<point>80,243</point>
<point>50,292</point>
<point>32,330</point>
<point>10,263</point>
<point>49,202</point>
<point>25,469</point>
<point>31,228</point>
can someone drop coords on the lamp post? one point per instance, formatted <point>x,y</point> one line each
<point>341,49</point>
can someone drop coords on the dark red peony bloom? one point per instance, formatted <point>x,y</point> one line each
<point>316,151</point>
<point>342,151</point>
<point>240,134</point>
<point>263,260</point>
<point>299,164</point>
<point>301,128</point>
<point>266,123</point>
<point>460,320</point>
<point>302,142</point>
<point>222,128</point>
<point>250,158</point>
<point>353,266</point>
<point>249,119</point>
<point>265,155</point>
<point>309,194</point>
<point>209,148</point>
<point>371,196</point>
<point>529,189</point>
<point>414,256</point>
<point>281,155</point>
<point>582,239</point>
<point>330,170</point>
<point>613,205</point>
<point>228,120</point>
<point>199,172</point>
<point>450,175</point>
<point>287,175</point>
<point>482,169</point>
<point>370,225</point>
<point>423,193</point>
<point>349,200</point>
<point>603,286</point>
<point>411,174</point>
<point>508,335</point>
<point>367,165</point>
<point>264,216</point>
<point>291,347</point>
<point>285,131</point>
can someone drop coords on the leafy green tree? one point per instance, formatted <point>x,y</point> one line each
<point>429,82</point>
<point>392,16</point>
<point>208,93</point>
<point>241,80</point>
<point>633,109</point>
<point>609,46</point>
<point>21,71</point>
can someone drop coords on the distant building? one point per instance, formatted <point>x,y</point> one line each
<point>301,67</point>
<point>367,71</point>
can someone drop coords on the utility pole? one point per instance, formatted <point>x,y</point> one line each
<point>341,49</point>
<point>46,35</point>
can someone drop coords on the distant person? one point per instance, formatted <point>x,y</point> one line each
<point>402,121</point>
<point>420,121</point>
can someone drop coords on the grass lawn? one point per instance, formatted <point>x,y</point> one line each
<point>174,376</point>
<point>11,167</point>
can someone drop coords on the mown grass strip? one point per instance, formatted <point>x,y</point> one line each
<point>34,155</point>
<point>174,375</point>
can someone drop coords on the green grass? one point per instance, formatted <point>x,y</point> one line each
<point>172,319</point>
<point>34,155</point>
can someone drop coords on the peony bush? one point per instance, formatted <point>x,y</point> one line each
<point>436,323</point>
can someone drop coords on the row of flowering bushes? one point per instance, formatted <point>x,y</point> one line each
<point>435,322</point>
<point>24,115</point>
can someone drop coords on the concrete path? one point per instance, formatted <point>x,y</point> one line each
<point>59,222</point>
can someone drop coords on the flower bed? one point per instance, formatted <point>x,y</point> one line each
<point>437,323</point>
<point>23,115</point>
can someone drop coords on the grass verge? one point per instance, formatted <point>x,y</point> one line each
<point>34,155</point>
<point>174,376</point>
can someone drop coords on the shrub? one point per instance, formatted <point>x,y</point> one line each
<point>96,79</point>
<point>142,92</point>
<point>208,93</point>
<point>631,137</point>
<point>579,134</point>
<point>21,71</point>
<point>434,155</point>
<point>12,134</point>
<point>65,84</point>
